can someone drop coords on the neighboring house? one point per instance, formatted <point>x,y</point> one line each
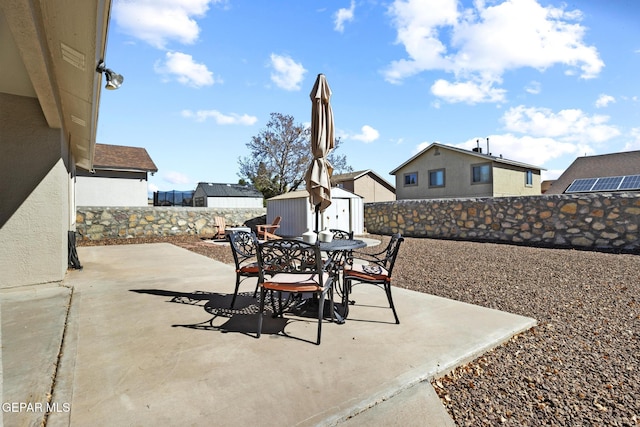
<point>442,171</point>
<point>367,184</point>
<point>591,168</point>
<point>546,185</point>
<point>49,104</point>
<point>213,195</point>
<point>119,177</point>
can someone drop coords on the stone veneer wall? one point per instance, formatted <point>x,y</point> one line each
<point>603,221</point>
<point>95,223</point>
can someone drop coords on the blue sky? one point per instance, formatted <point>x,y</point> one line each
<point>545,81</point>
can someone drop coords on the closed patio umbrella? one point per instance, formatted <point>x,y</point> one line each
<point>318,176</point>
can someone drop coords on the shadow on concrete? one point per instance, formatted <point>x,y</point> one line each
<point>243,318</point>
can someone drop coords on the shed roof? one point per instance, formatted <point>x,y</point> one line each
<point>603,165</point>
<point>212,189</point>
<point>470,153</point>
<point>122,158</point>
<point>336,192</point>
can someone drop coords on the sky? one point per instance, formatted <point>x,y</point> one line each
<point>544,81</point>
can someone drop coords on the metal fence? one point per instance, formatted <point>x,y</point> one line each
<point>173,198</point>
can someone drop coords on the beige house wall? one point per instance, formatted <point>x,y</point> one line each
<point>457,177</point>
<point>507,180</point>
<point>35,189</point>
<point>511,182</point>
<point>371,190</point>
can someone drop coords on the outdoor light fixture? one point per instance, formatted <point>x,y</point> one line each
<point>114,80</point>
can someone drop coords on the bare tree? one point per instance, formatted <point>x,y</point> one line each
<point>280,156</point>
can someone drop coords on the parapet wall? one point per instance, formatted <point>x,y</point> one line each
<point>96,223</point>
<point>603,221</point>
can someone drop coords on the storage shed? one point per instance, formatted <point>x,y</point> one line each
<point>346,212</point>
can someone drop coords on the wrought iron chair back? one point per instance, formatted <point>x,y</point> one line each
<point>295,267</point>
<point>379,270</point>
<point>244,246</point>
<point>341,234</point>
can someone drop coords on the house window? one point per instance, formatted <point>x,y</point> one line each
<point>481,174</point>
<point>436,178</point>
<point>410,179</point>
<point>528,180</point>
<point>199,201</point>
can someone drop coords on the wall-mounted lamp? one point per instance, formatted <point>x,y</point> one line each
<point>114,80</point>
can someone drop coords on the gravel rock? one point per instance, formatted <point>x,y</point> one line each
<point>578,367</point>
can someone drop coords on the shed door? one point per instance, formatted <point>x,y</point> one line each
<point>337,215</point>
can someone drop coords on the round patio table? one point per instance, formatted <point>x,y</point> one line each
<point>339,251</point>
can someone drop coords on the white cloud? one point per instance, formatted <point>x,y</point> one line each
<point>421,147</point>
<point>604,100</point>
<point>571,125</point>
<point>634,143</point>
<point>367,134</point>
<point>533,88</point>
<point>174,177</point>
<point>157,22</point>
<point>539,135</point>
<point>152,188</point>
<point>220,118</point>
<point>185,70</point>
<point>344,15</point>
<point>469,92</point>
<point>287,74</point>
<point>527,149</point>
<point>481,43</point>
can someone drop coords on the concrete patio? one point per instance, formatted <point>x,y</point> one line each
<point>147,339</point>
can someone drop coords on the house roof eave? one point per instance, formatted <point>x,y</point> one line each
<point>469,153</point>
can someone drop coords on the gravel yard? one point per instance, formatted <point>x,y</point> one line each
<point>578,367</point>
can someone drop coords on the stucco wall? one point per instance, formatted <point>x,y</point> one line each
<point>457,176</point>
<point>103,191</point>
<point>608,221</point>
<point>507,180</point>
<point>510,181</point>
<point>96,223</point>
<point>371,190</point>
<point>34,193</point>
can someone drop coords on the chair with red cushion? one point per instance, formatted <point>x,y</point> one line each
<point>244,246</point>
<point>377,271</point>
<point>296,268</point>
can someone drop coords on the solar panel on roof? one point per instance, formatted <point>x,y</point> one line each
<point>610,183</point>
<point>630,182</point>
<point>607,183</point>
<point>581,185</point>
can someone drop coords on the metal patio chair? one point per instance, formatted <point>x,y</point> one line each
<point>244,247</point>
<point>295,267</point>
<point>377,271</point>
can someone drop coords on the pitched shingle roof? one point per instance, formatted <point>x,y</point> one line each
<point>615,164</point>
<point>119,157</point>
<point>228,190</point>
<point>352,176</point>
<point>470,153</point>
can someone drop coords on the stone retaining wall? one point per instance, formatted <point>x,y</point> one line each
<point>95,223</point>
<point>604,221</point>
